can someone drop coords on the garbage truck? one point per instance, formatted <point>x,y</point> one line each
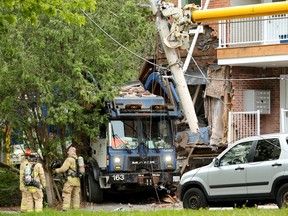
<point>136,152</point>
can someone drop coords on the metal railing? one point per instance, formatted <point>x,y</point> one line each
<point>243,124</point>
<point>254,31</point>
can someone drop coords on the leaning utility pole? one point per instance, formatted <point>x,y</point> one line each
<point>177,72</point>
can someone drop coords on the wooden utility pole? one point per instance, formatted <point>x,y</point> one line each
<point>177,72</point>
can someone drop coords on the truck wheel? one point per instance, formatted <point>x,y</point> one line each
<point>194,199</point>
<point>94,192</point>
<point>282,196</point>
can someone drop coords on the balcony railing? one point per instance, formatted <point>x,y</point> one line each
<point>254,31</point>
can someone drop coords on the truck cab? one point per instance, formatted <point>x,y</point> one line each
<point>138,151</point>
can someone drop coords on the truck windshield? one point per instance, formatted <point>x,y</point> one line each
<point>154,133</point>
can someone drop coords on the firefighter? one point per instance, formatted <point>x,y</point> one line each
<point>34,181</point>
<point>71,188</point>
<point>22,187</point>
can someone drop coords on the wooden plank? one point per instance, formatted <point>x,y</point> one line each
<point>187,161</point>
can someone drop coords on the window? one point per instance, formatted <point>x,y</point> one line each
<point>124,134</point>
<point>268,149</point>
<point>153,132</point>
<point>157,133</point>
<point>185,2</point>
<point>237,155</point>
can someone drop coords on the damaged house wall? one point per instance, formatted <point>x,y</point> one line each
<point>217,103</point>
<point>215,95</point>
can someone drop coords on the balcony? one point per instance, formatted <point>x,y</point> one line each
<point>254,42</point>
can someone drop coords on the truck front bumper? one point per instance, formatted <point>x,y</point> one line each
<point>144,179</point>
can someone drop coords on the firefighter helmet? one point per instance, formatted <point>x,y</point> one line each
<point>31,155</point>
<point>28,152</point>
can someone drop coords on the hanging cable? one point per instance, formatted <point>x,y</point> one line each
<point>119,44</point>
<point>240,79</point>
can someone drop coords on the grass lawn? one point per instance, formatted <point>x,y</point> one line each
<point>204,212</point>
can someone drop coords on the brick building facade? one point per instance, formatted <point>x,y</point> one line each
<point>256,78</point>
<point>223,91</point>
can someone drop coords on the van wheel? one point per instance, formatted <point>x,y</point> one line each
<point>282,196</point>
<point>94,192</point>
<point>194,199</point>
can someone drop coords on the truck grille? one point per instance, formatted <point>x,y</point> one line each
<point>150,163</point>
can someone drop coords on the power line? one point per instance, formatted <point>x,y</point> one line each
<point>121,45</point>
<point>240,79</point>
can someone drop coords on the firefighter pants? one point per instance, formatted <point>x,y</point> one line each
<point>71,196</point>
<point>34,199</point>
<point>23,207</point>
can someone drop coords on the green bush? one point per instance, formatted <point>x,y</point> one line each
<point>10,194</point>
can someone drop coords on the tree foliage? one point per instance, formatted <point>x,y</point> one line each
<point>9,188</point>
<point>60,74</point>
<point>30,10</point>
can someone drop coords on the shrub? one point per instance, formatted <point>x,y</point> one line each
<point>10,194</point>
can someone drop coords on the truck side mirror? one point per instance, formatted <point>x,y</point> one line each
<point>216,162</point>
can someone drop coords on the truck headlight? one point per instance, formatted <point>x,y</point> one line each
<point>117,160</point>
<point>169,162</point>
<point>168,159</point>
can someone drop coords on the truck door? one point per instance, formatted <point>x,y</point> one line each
<point>230,177</point>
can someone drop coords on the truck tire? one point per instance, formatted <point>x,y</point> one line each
<point>94,192</point>
<point>194,198</point>
<point>282,196</point>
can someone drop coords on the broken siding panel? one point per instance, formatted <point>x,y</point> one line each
<point>216,86</point>
<point>216,104</point>
<point>216,124</point>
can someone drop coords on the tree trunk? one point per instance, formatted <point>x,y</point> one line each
<point>51,198</point>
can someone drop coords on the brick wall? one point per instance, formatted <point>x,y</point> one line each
<point>270,123</point>
<point>212,3</point>
<point>216,4</point>
<point>173,1</point>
